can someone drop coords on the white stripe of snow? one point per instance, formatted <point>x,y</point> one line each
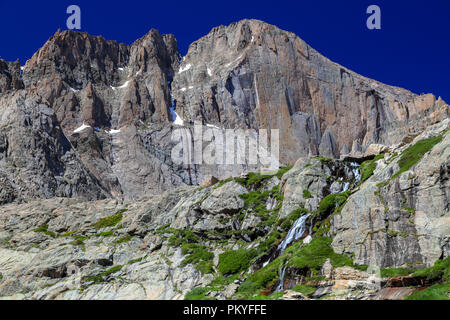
<point>122,86</point>
<point>229,64</point>
<point>209,72</point>
<point>178,120</point>
<point>125,84</point>
<point>84,126</point>
<point>186,68</point>
<point>113,131</point>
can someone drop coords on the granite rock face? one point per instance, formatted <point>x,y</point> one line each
<point>108,106</point>
<point>253,75</point>
<point>114,102</point>
<point>402,220</point>
<point>36,159</point>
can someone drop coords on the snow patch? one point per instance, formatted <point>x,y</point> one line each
<point>113,131</point>
<point>234,61</point>
<point>178,120</point>
<point>74,90</point>
<point>122,86</point>
<point>209,72</point>
<point>84,126</point>
<point>185,68</point>
<point>212,126</point>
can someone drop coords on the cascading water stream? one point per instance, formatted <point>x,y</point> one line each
<point>295,233</point>
<point>280,286</point>
<point>352,172</point>
<point>354,168</point>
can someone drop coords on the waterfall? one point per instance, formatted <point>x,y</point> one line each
<point>346,186</point>
<point>353,174</point>
<point>356,172</point>
<point>280,286</point>
<point>297,230</point>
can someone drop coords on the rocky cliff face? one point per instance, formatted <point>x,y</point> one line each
<point>86,125</point>
<point>253,75</point>
<point>113,102</point>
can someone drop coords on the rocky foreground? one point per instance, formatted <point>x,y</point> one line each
<point>389,214</point>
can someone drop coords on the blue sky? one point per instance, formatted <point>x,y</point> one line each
<point>412,50</point>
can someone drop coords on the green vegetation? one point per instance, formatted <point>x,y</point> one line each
<point>282,171</point>
<point>262,279</point>
<point>135,261</point>
<point>305,290</point>
<point>235,261</point>
<point>68,234</point>
<point>330,203</point>
<point>79,241</point>
<point>44,229</point>
<point>307,194</point>
<point>101,277</point>
<point>106,234</point>
<point>314,255</point>
<point>368,167</point>
<point>308,257</point>
<point>435,292</point>
<point>440,270</point>
<point>272,239</point>
<point>286,223</point>
<point>110,221</point>
<point>126,238</point>
<point>198,255</point>
<point>395,272</point>
<point>222,182</point>
<point>255,200</point>
<point>411,211</point>
<point>324,160</point>
<point>180,237</point>
<point>412,155</point>
<point>255,179</point>
<point>198,293</point>
<point>272,296</point>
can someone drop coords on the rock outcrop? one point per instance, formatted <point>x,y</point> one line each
<point>403,220</point>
